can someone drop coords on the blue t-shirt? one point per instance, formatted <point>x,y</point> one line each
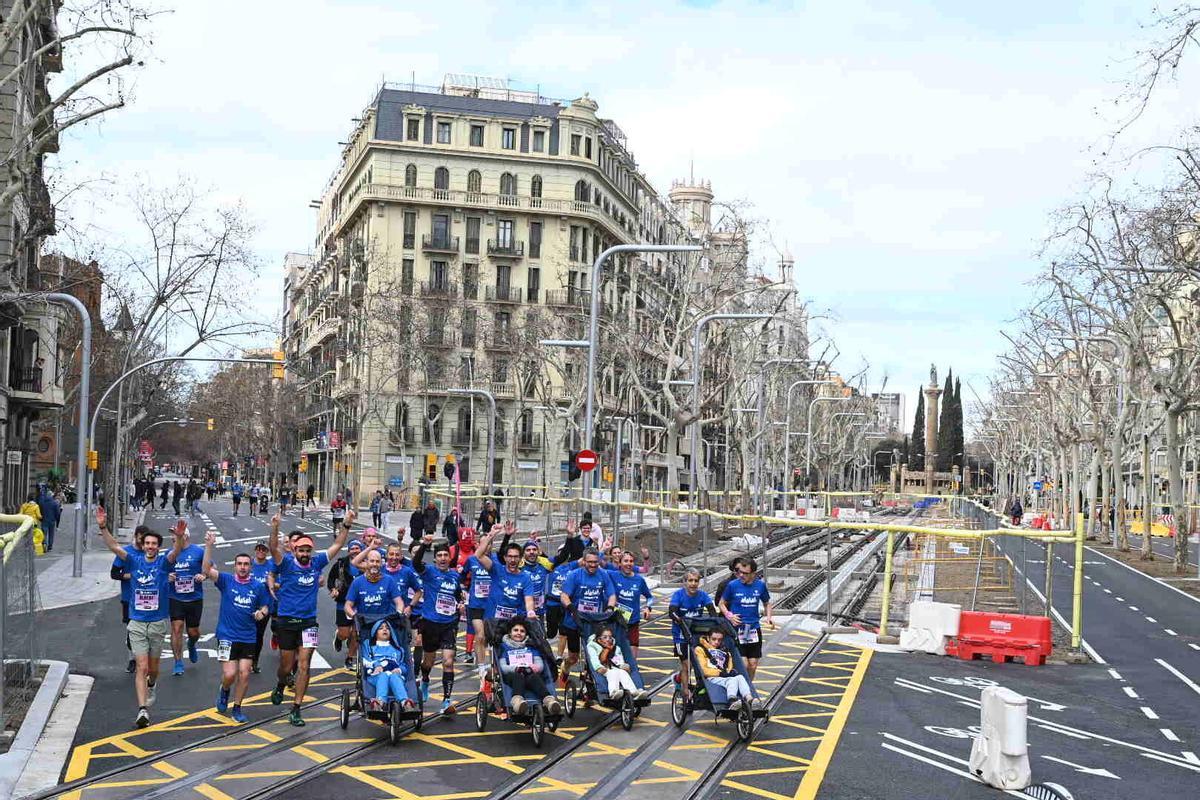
<point>373,599</point>
<point>537,576</point>
<point>126,586</point>
<point>406,581</point>
<point>630,591</point>
<point>555,581</point>
<point>509,590</point>
<point>259,572</point>
<point>148,586</point>
<point>298,586</point>
<point>743,599</point>
<point>441,591</point>
<point>588,593</point>
<point>239,601</point>
<point>690,607</point>
<point>187,567</point>
<point>481,583</point>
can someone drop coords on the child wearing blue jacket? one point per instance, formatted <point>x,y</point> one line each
<point>386,668</point>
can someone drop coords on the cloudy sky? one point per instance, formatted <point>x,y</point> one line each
<point>907,153</point>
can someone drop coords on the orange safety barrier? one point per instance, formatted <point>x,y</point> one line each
<point>1002,636</point>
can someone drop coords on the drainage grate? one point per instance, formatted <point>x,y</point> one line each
<point>1047,791</point>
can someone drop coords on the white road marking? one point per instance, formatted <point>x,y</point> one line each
<point>1108,591</point>
<point>1194,646</point>
<point>1100,772</point>
<point>1149,712</point>
<point>1169,632</point>
<point>1147,577</point>
<point>1169,734</point>
<point>1188,755</point>
<point>1130,691</point>
<point>1120,599</point>
<point>1133,608</point>
<point>960,772</point>
<point>1184,763</point>
<point>1151,619</point>
<point>1188,681</point>
<point>1116,675</point>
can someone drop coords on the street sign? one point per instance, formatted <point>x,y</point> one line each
<point>586,460</point>
<point>335,440</point>
<point>396,480</point>
<point>1037,486</point>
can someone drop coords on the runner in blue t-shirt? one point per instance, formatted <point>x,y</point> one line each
<point>538,572</point>
<point>407,582</point>
<point>299,581</point>
<point>263,570</point>
<point>148,569</point>
<point>687,603</point>
<point>187,603</point>
<point>739,603</point>
<point>244,602</point>
<point>373,594</point>
<point>554,606</point>
<point>440,606</point>
<point>118,572</point>
<point>512,591</point>
<point>631,588</point>
<point>478,582</point>
<point>587,590</point>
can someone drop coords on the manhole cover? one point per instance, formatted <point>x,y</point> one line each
<point>1047,791</point>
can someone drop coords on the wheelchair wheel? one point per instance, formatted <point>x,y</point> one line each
<point>627,711</point>
<point>745,721</point>
<point>570,701</point>
<point>394,722</point>
<point>421,715</point>
<point>344,717</point>
<point>538,726</point>
<point>481,712</point>
<point>679,709</point>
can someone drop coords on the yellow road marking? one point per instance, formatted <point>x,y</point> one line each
<point>742,773</point>
<point>211,792</point>
<point>169,769</point>
<point>820,762</point>
<point>312,755</point>
<point>265,735</point>
<point>237,776</point>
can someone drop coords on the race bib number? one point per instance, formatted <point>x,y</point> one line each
<point>482,587</point>
<point>747,634</point>
<point>310,637</point>
<point>521,658</point>
<point>505,613</point>
<point>145,600</point>
<point>185,584</point>
<point>626,613</point>
<point>445,605</point>
<point>223,648</point>
<point>589,606</point>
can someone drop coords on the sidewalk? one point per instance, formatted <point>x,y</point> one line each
<point>56,586</point>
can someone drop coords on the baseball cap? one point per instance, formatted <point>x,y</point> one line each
<point>261,546</point>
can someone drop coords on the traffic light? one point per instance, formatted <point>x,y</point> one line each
<point>212,424</point>
<point>573,472</point>
<point>277,369</point>
<point>93,460</point>
<point>431,466</point>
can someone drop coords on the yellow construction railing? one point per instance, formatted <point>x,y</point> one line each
<point>9,541</point>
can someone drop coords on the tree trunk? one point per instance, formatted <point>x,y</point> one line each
<point>1122,532</point>
<point>1175,485</point>
<point>1093,490</point>
<point>1147,553</point>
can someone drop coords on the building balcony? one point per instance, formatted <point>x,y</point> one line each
<point>502,341</point>
<point>346,387</point>
<point>499,389</point>
<point>464,438</point>
<point>25,379</point>
<point>322,331</point>
<point>571,297</point>
<point>440,338</point>
<point>528,440</point>
<point>402,434</point>
<point>503,294</point>
<point>317,408</point>
<point>432,438</point>
<point>501,438</point>
<point>439,289</point>
<point>506,249</point>
<point>468,337</point>
<point>470,291</point>
<point>531,295</point>
<point>439,244</point>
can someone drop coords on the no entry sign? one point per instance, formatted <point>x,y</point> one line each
<point>586,460</point>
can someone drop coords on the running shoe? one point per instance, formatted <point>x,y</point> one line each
<point>337,644</point>
<point>193,653</point>
<point>468,658</point>
<point>143,718</point>
<point>222,700</point>
<point>255,668</point>
<point>178,670</point>
<point>294,718</point>
<point>349,663</point>
<point>151,693</point>
<point>448,707</point>
<point>425,691</point>
<point>238,716</point>
<point>277,695</point>
<point>131,666</point>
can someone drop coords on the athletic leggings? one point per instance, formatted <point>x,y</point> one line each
<point>531,686</point>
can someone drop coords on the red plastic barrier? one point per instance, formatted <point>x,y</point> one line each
<point>833,512</point>
<point>1002,636</point>
<point>801,511</point>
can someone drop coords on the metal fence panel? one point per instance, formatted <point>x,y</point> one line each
<point>20,643</point>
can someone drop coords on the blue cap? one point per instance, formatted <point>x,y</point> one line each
<point>356,543</point>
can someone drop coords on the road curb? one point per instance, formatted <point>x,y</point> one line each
<point>13,763</point>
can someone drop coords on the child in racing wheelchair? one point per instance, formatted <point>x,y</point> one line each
<point>384,665</point>
<point>717,666</point>
<point>524,670</point>
<point>605,658</point>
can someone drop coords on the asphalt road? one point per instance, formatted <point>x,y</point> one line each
<point>1146,633</point>
<point>101,652</point>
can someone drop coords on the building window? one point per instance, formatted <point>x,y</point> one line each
<point>535,190</point>
<point>406,276</point>
<point>470,280</point>
<point>443,133</point>
<point>539,141</point>
<point>535,240</point>
<point>533,283</point>
<point>574,255</point>
<point>441,230</point>
<point>474,181</point>
<point>414,129</point>
<point>441,178</point>
<point>439,275</point>
<point>410,175</point>
<point>582,193</point>
<point>504,233</point>
<point>476,136</point>
<point>503,326</point>
<point>575,141</point>
<point>503,280</point>
<point>508,138</point>
<point>410,229</point>
<point>472,234</point>
<point>508,184</point>
<point>469,317</point>
<point>587,147</point>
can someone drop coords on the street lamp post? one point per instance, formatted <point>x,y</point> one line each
<point>758,446</point>
<point>491,448</point>
<point>787,416</point>
<point>808,444</point>
<point>81,443</point>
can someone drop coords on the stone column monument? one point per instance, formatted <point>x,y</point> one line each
<point>932,392</point>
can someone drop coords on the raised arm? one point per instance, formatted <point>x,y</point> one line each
<point>181,539</point>
<point>342,534</point>
<point>109,542</point>
<point>210,541</point>
<point>273,541</point>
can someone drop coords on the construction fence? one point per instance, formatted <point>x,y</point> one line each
<point>20,643</point>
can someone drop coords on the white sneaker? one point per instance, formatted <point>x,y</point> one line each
<point>151,693</point>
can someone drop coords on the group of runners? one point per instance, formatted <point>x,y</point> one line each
<point>435,584</point>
